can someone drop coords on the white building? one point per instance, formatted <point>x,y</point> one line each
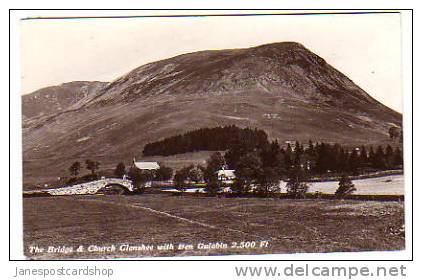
<point>226,176</point>
<point>146,165</point>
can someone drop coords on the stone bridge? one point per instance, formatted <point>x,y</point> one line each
<point>92,187</point>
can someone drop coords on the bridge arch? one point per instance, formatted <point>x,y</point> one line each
<point>113,189</point>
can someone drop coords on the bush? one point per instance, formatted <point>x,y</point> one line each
<point>297,189</point>
<point>248,172</point>
<point>140,178</point>
<point>209,173</point>
<point>83,179</point>
<point>268,182</point>
<point>195,174</point>
<point>297,186</point>
<point>180,178</point>
<point>345,187</point>
<point>241,186</point>
<point>92,166</point>
<point>120,170</point>
<point>75,168</point>
<point>88,178</point>
<point>213,187</point>
<point>72,181</point>
<point>164,173</point>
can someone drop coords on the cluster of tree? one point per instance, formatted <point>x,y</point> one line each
<point>322,158</point>
<point>75,170</point>
<point>253,177</point>
<point>319,158</point>
<point>208,139</point>
<point>188,174</point>
<point>92,166</point>
<point>260,169</point>
<point>201,174</point>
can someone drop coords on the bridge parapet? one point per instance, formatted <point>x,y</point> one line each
<point>87,188</point>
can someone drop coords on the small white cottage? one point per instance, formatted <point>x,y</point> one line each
<point>146,165</point>
<point>226,176</point>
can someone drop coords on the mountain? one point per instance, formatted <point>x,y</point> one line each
<point>51,100</point>
<point>282,88</point>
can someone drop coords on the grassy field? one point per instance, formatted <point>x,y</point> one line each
<point>289,226</point>
<point>385,185</point>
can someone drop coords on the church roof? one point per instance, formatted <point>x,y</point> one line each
<point>147,165</point>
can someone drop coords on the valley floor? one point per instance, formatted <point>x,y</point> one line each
<point>379,186</point>
<point>106,226</point>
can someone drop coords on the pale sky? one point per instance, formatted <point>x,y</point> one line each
<point>365,47</point>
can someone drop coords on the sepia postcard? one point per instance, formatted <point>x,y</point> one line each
<point>213,135</point>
